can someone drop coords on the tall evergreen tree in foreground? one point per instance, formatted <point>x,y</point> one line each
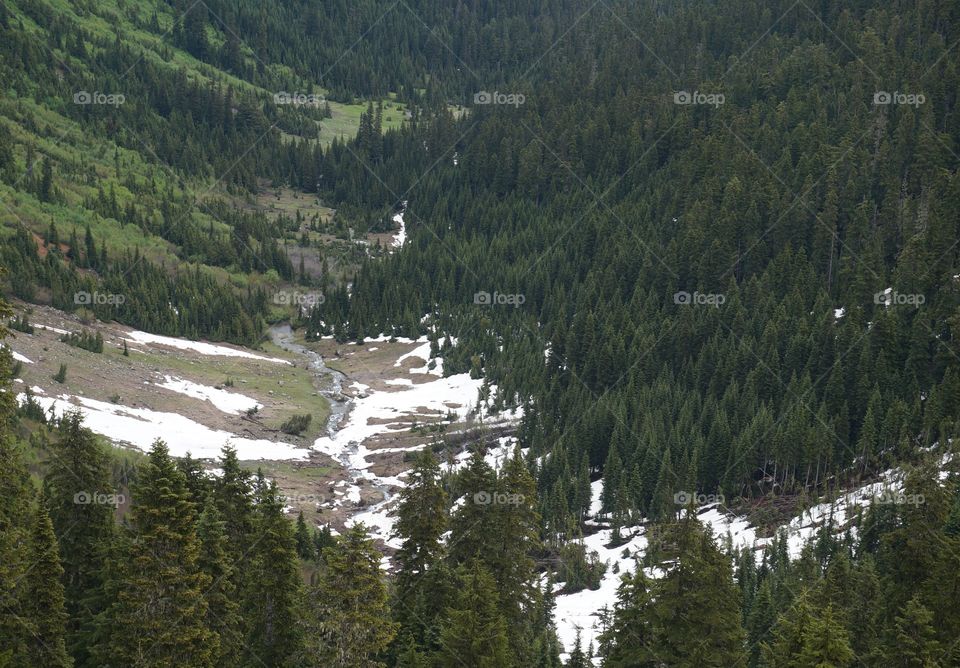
<point>353,627</point>
<point>474,632</point>
<point>43,599</point>
<point>273,587</point>
<point>80,493</point>
<point>422,577</point>
<point>223,608</point>
<point>160,615</point>
<point>15,492</point>
<point>688,617</point>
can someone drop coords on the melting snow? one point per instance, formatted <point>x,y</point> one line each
<point>141,427</point>
<point>387,409</point>
<point>228,402</point>
<point>580,610</point>
<point>201,347</point>
<point>401,234</point>
<point>20,358</point>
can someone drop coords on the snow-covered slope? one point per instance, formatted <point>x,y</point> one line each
<point>580,610</point>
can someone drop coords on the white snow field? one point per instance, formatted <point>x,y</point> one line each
<point>391,411</point>
<point>17,357</point>
<point>202,347</point>
<point>140,427</point>
<point>228,402</point>
<point>580,610</point>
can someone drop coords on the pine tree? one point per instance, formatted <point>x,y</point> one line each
<point>305,547</point>
<point>825,642</point>
<point>511,547</point>
<point>42,610</point>
<point>474,632</point>
<point>626,642</point>
<point>577,658</point>
<point>421,523</point>
<point>14,507</point>
<point>915,644</point>
<point>160,610</point>
<point>787,636</point>
<point>233,497</point>
<point>473,522</point>
<point>223,608</point>
<point>696,617</point>
<point>78,490</point>
<point>350,604</point>
<point>273,596</point>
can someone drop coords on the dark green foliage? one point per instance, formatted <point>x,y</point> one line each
<point>273,597</point>
<point>159,616</point>
<point>61,375</point>
<point>85,340</point>
<point>422,582</point>
<point>350,605</point>
<point>296,424</point>
<point>305,545</point>
<point>474,632</point>
<point>43,610</point>
<point>82,500</point>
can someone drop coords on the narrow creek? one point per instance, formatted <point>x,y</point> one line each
<point>282,336</point>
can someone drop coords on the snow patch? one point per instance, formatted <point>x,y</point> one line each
<point>228,402</point>
<point>20,358</point>
<point>140,427</point>
<point>135,336</point>
<point>401,236</point>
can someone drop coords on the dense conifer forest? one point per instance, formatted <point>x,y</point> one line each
<point>705,246</point>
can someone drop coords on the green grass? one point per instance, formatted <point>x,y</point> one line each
<point>296,395</point>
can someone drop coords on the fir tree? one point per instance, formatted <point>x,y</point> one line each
<point>160,610</point>
<point>421,523</point>
<point>350,603</point>
<point>305,546</point>
<point>695,615</point>
<point>273,597</point>
<point>42,609</point>
<point>78,489</point>
<point>223,608</point>
<point>474,632</point>
<point>914,643</point>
